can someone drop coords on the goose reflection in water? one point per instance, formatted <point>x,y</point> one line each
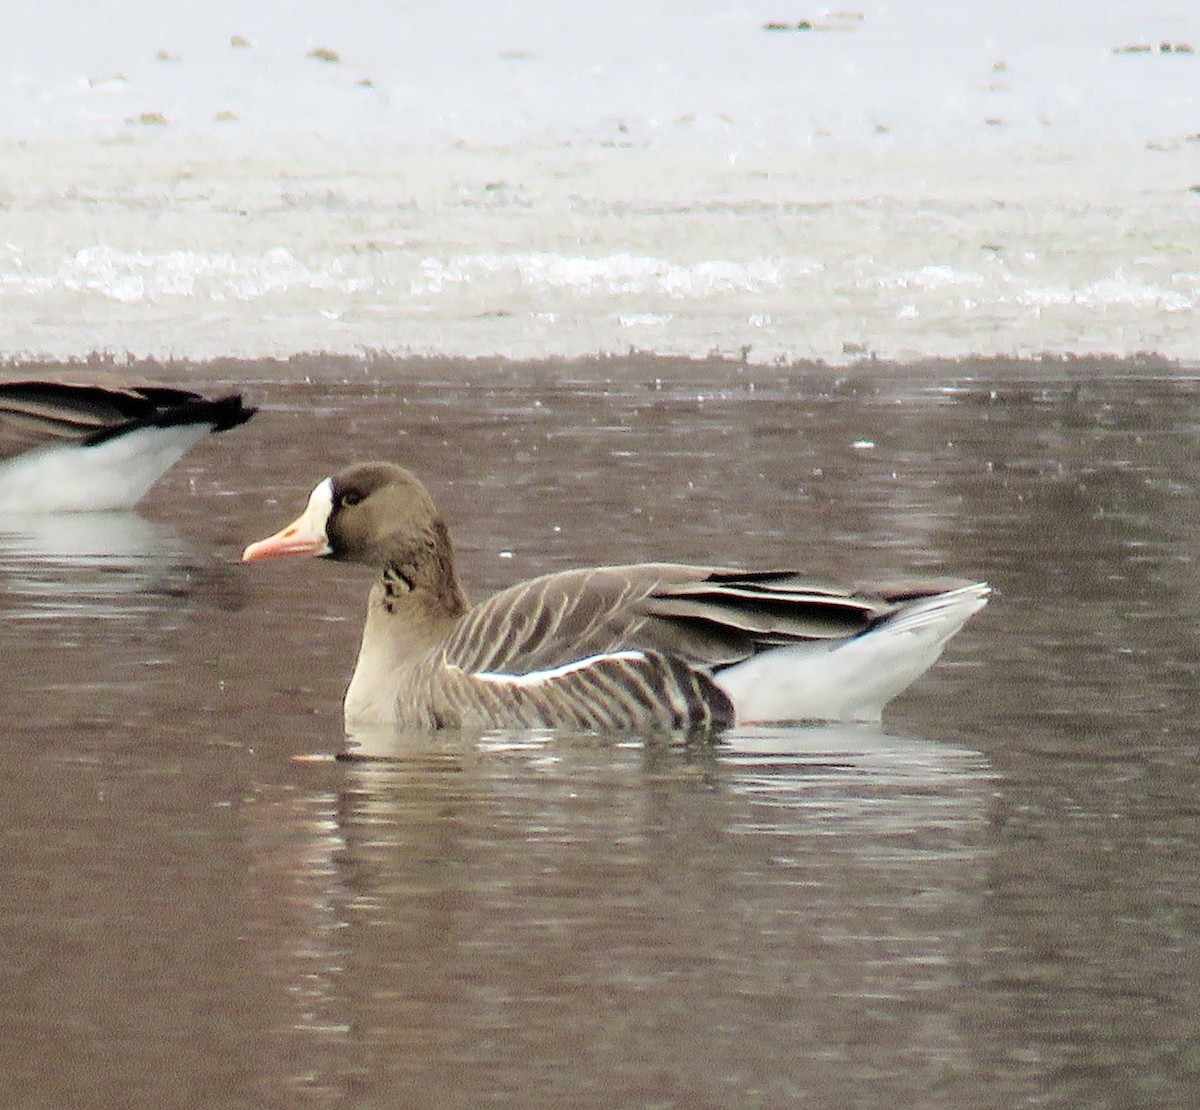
<point>107,565</point>
<point>545,881</point>
<point>773,759</point>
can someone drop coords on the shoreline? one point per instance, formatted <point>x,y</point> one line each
<point>653,368</point>
<point>205,249</point>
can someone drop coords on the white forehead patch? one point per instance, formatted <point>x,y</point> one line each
<point>316,515</point>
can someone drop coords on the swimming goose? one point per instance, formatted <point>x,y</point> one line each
<point>79,446</point>
<point>652,646</point>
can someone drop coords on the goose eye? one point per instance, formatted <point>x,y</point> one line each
<point>351,497</point>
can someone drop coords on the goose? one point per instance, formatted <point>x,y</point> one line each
<point>99,444</point>
<point>655,646</point>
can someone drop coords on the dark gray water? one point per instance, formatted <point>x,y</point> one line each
<point>992,901</point>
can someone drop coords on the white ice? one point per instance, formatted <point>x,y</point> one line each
<point>907,178</point>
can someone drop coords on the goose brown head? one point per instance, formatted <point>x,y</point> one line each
<point>377,514</point>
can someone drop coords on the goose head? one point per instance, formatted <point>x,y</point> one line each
<point>377,514</point>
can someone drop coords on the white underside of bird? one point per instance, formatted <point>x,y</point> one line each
<point>113,475</point>
<point>853,679</point>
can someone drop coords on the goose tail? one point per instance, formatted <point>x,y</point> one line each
<point>850,679</point>
<point>205,415</point>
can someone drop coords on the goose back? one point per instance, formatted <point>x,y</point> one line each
<point>643,645</point>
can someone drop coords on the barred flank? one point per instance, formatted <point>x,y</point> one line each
<point>632,691</point>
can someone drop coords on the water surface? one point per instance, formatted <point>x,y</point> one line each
<point>990,901</point>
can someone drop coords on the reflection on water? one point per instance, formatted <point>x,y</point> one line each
<point>605,920</point>
<point>87,564</point>
<point>989,902</point>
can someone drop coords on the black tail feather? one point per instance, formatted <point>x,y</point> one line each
<point>223,413</point>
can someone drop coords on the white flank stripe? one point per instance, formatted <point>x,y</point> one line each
<point>536,678</point>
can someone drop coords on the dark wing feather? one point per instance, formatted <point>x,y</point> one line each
<point>708,618</point>
<point>35,413</point>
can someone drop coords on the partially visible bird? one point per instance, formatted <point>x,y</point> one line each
<point>79,445</point>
